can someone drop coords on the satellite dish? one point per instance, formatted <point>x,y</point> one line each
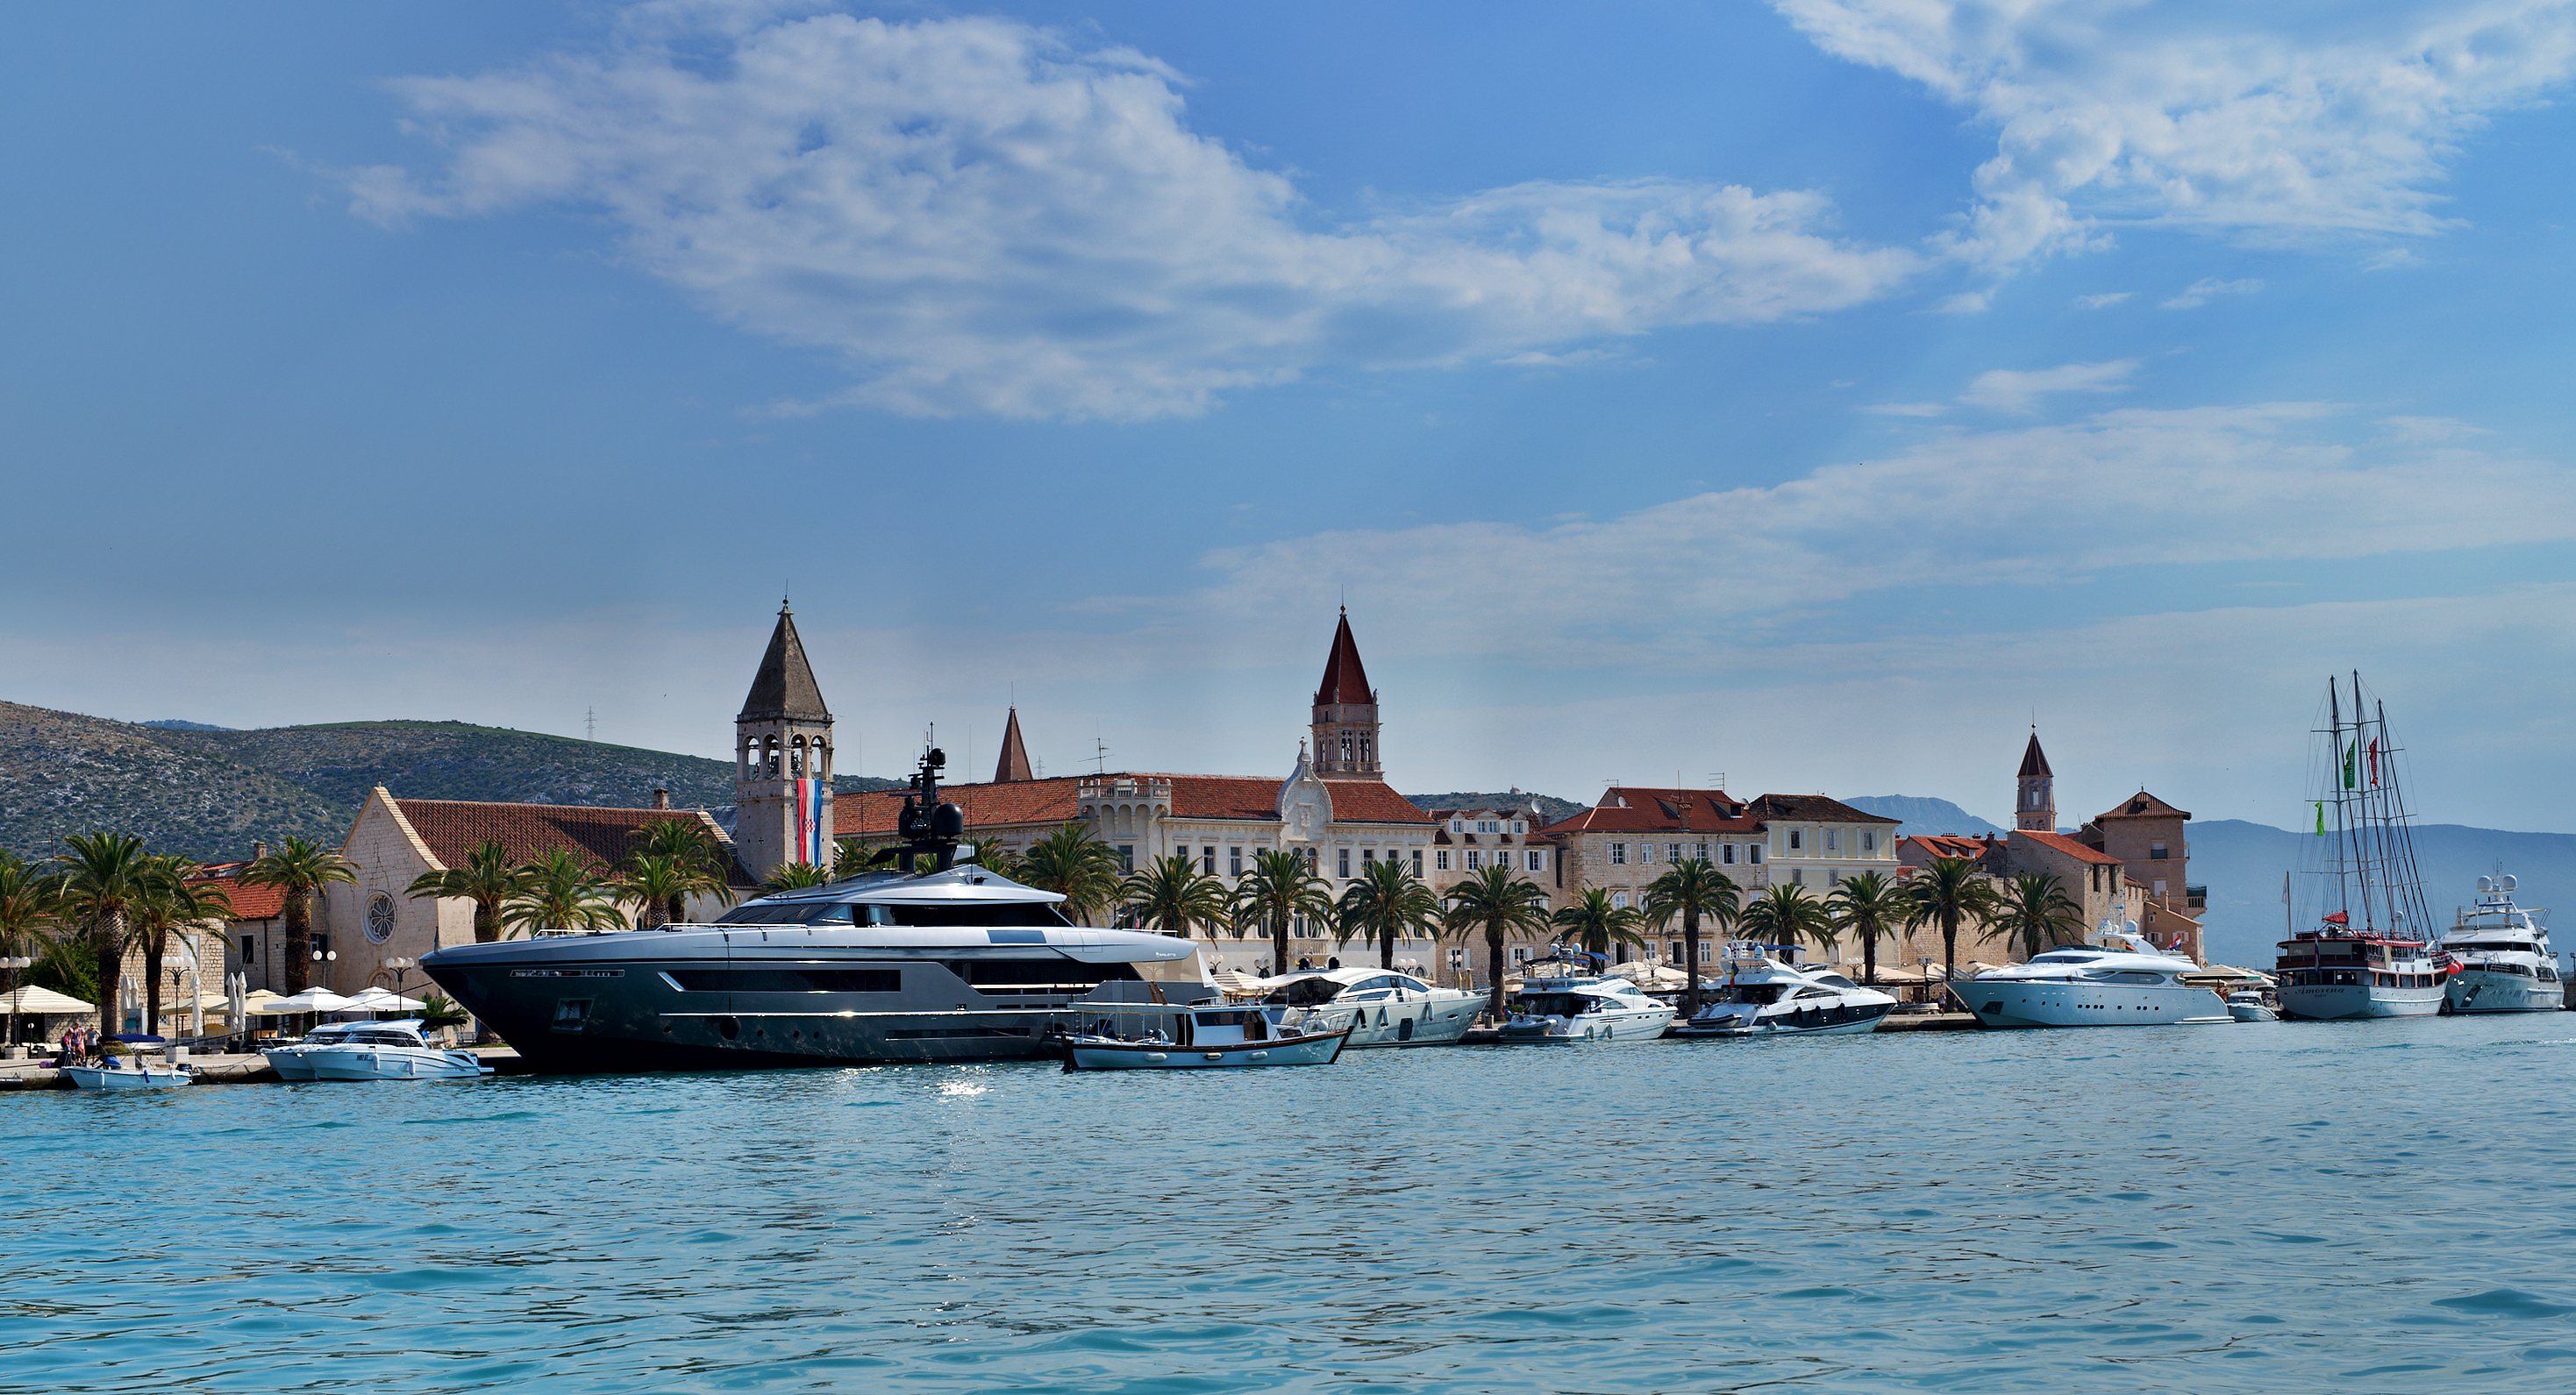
<point>2486,884</point>
<point>2508,881</point>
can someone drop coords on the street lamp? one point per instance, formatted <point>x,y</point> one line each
<point>399,964</point>
<point>9,1022</point>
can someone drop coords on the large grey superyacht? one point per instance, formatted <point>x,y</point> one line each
<point>934,959</point>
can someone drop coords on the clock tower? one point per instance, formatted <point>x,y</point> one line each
<point>782,782</point>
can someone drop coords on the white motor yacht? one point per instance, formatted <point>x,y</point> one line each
<point>2122,981</point>
<point>384,1051</point>
<point>1381,1007</point>
<point>1763,996</point>
<point>2505,962</point>
<point>1584,1009</point>
<point>2247,1005</point>
<point>293,1060</point>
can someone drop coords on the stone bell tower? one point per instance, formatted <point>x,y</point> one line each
<point>782,750</point>
<point>1346,725</point>
<point>2035,802</point>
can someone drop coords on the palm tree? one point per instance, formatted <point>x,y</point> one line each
<point>1279,889</point>
<point>173,899</point>
<point>793,876</point>
<point>1786,915</point>
<point>562,893</point>
<point>1172,894</point>
<point>488,879</point>
<point>1868,905</point>
<point>1387,903</point>
<point>1693,888</point>
<point>1947,893</point>
<point>299,869</point>
<point>2036,913</point>
<point>105,878</point>
<point>691,845</point>
<point>655,882</point>
<point>1596,924</point>
<point>1496,901</point>
<point>1074,865</point>
<point>29,896</point>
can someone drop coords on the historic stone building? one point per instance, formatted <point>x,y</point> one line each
<point>1334,809</point>
<point>782,756</point>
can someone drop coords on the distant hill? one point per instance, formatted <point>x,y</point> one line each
<point>209,793</point>
<point>1554,810</point>
<point>1923,814</point>
<point>174,724</point>
<point>2241,863</point>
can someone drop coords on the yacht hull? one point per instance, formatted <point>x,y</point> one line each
<point>1417,1023</point>
<point>2355,1002</point>
<point>1601,1027</point>
<point>393,1063</point>
<point>1098,1053</point>
<point>2065,1003</point>
<point>615,1003</point>
<point>2474,990</point>
<point>1855,1021</point>
<point>142,1078</point>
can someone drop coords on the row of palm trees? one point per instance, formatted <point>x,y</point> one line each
<point>82,914</point>
<point>1176,895</point>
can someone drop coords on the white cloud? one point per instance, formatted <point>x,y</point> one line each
<point>2102,301</point>
<point>2264,121</point>
<point>1906,409</point>
<point>985,217</point>
<point>1730,572</point>
<point>2421,431</point>
<point>2013,390</point>
<point>2198,292</point>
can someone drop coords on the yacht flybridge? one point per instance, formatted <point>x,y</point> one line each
<point>1764,997</point>
<point>944,962</point>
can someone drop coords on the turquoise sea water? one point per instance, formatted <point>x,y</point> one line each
<point>2260,1208</point>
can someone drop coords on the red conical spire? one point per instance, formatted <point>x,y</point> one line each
<point>2034,762</point>
<point>1015,754</point>
<point>1345,681</point>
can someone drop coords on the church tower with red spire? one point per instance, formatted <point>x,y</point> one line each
<point>1346,725</point>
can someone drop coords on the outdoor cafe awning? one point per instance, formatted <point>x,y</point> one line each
<point>43,1002</point>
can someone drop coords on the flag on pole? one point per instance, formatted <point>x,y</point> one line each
<point>2321,818</point>
<point>2351,766</point>
<point>2374,760</point>
<point>2339,918</point>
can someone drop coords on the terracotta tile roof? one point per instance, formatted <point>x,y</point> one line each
<point>453,828</point>
<point>1810,808</point>
<point>1345,681</point>
<point>248,902</point>
<point>1945,845</point>
<point>2142,805</point>
<point>2034,762</point>
<point>1253,798</point>
<point>2059,842</point>
<point>1637,809</point>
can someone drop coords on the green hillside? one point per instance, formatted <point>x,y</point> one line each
<point>209,794</point>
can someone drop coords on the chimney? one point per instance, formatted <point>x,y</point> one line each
<point>258,851</point>
<point>661,799</point>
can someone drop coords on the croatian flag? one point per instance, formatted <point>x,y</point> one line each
<point>810,795</point>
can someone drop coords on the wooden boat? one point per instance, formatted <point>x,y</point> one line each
<point>1206,1038</point>
<point>124,1075</point>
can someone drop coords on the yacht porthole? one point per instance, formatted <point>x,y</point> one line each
<point>729,1027</point>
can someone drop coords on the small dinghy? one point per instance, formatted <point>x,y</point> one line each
<point>2247,1005</point>
<point>128,1074</point>
<point>1206,1038</point>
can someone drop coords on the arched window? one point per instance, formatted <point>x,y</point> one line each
<point>796,759</point>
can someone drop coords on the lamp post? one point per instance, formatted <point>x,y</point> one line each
<point>9,1021</point>
<point>1925,965</point>
<point>399,964</point>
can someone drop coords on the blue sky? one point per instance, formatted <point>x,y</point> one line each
<point>1810,393</point>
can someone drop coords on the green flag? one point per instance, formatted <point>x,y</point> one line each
<point>2352,765</point>
<point>2321,818</point>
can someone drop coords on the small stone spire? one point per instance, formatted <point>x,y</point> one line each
<point>1015,754</point>
<point>1346,721</point>
<point>2035,803</point>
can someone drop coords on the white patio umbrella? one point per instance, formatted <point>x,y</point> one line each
<point>310,1000</point>
<point>381,1000</point>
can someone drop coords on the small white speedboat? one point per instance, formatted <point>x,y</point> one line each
<point>372,1051</point>
<point>1554,1010</point>
<point>2247,1005</point>
<point>1764,997</point>
<point>1208,1038</point>
<point>131,1073</point>
<point>1382,1007</point>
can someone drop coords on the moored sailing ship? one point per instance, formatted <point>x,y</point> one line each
<point>2369,951</point>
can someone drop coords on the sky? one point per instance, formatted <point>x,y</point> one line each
<point>1812,395</point>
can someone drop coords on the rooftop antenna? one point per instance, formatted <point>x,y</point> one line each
<point>1099,751</point>
<point>590,724</point>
